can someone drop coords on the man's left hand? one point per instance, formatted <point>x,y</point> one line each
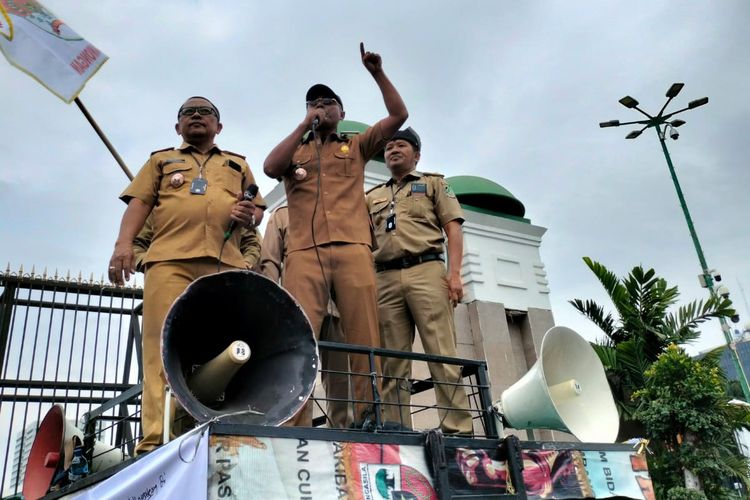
<point>455,288</point>
<point>371,60</point>
<point>243,212</point>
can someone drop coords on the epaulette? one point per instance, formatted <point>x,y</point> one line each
<point>433,174</point>
<point>233,154</point>
<point>161,151</point>
<point>375,187</point>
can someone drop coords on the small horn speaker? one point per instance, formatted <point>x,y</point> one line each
<point>199,350</point>
<point>52,450</point>
<point>565,390</point>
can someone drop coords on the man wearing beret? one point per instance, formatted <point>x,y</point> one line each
<point>410,212</point>
<point>330,237</point>
<point>193,192</point>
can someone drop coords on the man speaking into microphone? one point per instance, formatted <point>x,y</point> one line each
<point>194,194</point>
<point>329,250</point>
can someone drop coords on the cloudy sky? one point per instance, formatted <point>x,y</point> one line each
<point>511,91</point>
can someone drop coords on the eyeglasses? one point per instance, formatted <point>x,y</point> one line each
<point>201,110</point>
<point>325,101</point>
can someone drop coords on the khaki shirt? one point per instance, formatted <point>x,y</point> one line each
<point>341,214</point>
<point>250,245</point>
<point>189,225</point>
<point>423,204</point>
<point>273,253</point>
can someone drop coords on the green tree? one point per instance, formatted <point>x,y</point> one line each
<point>690,424</point>
<point>641,328</point>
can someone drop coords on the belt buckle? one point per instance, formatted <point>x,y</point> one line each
<point>405,263</point>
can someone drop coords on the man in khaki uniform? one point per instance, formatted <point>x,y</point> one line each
<point>329,228</point>
<point>410,213</point>
<point>273,255</point>
<point>193,192</point>
<point>250,244</point>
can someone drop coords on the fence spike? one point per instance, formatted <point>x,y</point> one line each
<point>20,270</point>
<point>33,270</point>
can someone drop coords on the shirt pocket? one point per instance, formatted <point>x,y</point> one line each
<point>176,175</point>
<point>419,206</point>
<point>227,178</point>
<point>379,212</point>
<point>344,162</point>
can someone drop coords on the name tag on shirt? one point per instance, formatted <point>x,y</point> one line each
<point>198,186</point>
<point>418,189</point>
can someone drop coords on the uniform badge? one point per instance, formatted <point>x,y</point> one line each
<point>344,149</point>
<point>198,186</point>
<point>300,173</point>
<point>418,189</point>
<point>449,191</point>
<point>177,180</point>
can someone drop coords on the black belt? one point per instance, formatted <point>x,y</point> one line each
<point>406,262</point>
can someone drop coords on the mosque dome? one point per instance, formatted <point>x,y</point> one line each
<point>485,196</point>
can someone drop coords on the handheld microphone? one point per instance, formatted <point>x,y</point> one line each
<point>248,195</point>
<point>315,123</point>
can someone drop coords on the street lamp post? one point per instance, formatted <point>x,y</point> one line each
<point>664,124</point>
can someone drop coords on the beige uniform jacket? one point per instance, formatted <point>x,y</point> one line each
<point>186,225</point>
<point>250,245</point>
<point>340,214</point>
<point>422,204</point>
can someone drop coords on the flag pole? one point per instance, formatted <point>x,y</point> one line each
<point>104,138</point>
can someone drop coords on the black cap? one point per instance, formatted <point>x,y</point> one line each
<point>320,90</point>
<point>409,135</point>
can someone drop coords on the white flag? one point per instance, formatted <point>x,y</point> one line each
<point>35,41</point>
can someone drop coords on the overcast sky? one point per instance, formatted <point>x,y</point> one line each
<point>511,91</point>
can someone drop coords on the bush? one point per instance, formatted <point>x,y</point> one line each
<point>680,493</point>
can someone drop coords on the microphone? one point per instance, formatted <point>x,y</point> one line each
<point>315,123</point>
<point>248,195</point>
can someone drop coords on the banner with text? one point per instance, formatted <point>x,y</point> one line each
<point>37,42</point>
<point>179,469</point>
<point>260,467</point>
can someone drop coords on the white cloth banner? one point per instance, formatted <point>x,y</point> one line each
<point>177,470</point>
<point>35,41</point>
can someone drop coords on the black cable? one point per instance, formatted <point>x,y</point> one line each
<point>312,222</point>
<point>315,243</point>
<point>221,250</point>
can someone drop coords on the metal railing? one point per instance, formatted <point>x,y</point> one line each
<point>77,343</point>
<point>66,341</point>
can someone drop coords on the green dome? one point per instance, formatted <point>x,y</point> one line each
<point>485,196</point>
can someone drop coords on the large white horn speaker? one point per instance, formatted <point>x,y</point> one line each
<point>565,390</point>
<point>236,345</point>
<point>52,451</point>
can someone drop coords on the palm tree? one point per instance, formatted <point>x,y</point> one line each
<point>640,330</point>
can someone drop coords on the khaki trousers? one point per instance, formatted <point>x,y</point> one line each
<point>347,269</point>
<point>336,385</point>
<point>418,296</point>
<point>164,282</point>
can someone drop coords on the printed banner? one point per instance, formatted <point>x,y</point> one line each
<point>618,473</point>
<point>178,469</point>
<point>35,41</point>
<point>259,467</point>
<point>555,474</point>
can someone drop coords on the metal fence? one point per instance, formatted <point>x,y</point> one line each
<point>76,343</point>
<point>66,341</point>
